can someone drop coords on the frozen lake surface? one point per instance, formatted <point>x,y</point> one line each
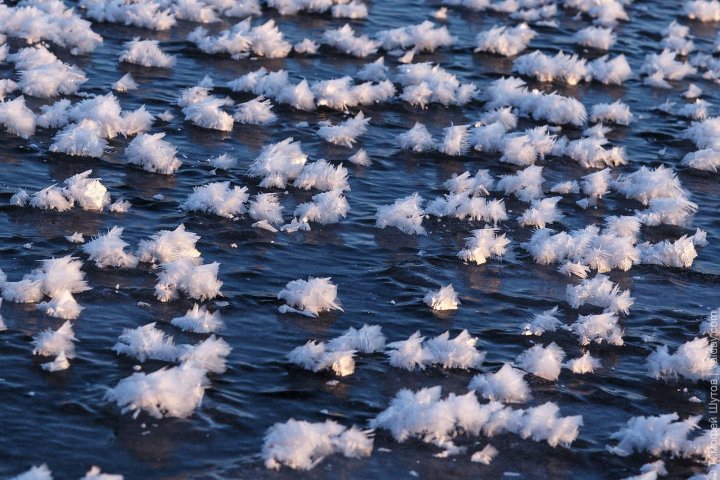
<point>63,418</point>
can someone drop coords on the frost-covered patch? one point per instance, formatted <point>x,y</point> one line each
<point>150,14</point>
<point>185,275</point>
<point>455,140</point>
<point>278,163</point>
<point>485,456</point>
<point>125,84</point>
<point>7,86</point>
<point>104,114</point>
<point>146,53</point>
<point>598,329</point>
<point>43,75</point>
<point>706,159</point>
<point>108,250</point>
<point>199,320</point>
<point>541,213</point>
<point>605,13</point>
<point>153,154</point>
<point>342,94</point>
<point>360,157</point>
<point>525,184</point>
<point>423,37</point>
<point>56,343</point>
<point>417,139</point>
<point>309,297</point>
<point>478,184</point>
<point>507,385</point>
<point>345,40</point>
<point>325,208</point>
<point>584,364</point>
<point>678,254</point>
<point>647,184</point>
<point>374,72</point>
<point>346,133</point>
<point>82,139</point>
<point>168,392</point>
<point>697,110</point>
<point>469,205</point>
<point>590,248</point>
<point>57,278</point>
<point>543,362</point>
<point>218,198</point>
<point>571,70</point>
<point>485,243</point>
<point>39,472</point>
<point>81,190</point>
<point>96,118</point>
<point>491,137</point>
<point>209,355</point>
<point>306,46</point>
<point>444,299</point>
<point>693,360</point>
<point>504,41</point>
<point>590,151</point>
<point>169,245</point>
<point>37,21</point>
<point>17,118</point>
<point>222,162</point>
<point>337,354</point>
<point>702,10</point>
<point>424,414</point>
<point>417,352</point>
<point>243,40</point>
<point>204,110</point>
<point>315,356</point>
<point>276,85</point>
<point>601,292</point>
<point>302,445</point>
<point>367,339</point>
<point>650,471</point>
<point>266,207</point>
<point>616,112</point>
<point>406,214</point>
<point>705,135</point>
<point>598,38</point>
<point>522,148</point>
<point>546,321</point>
<point>664,434</point>
<point>96,474</point>
<point>594,186</point>
<point>146,343</point>
<point>709,326</point>
<point>425,83</point>
<point>661,68</point>
<point>552,107</point>
<point>255,112</point>
<point>610,71</point>
<point>676,210</point>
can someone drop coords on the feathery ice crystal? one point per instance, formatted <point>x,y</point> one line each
<point>302,445</point>
<point>444,299</point>
<point>507,385</point>
<point>543,362</point>
<point>439,421</point>
<point>309,297</point>
<point>459,352</point>
<point>406,214</point>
